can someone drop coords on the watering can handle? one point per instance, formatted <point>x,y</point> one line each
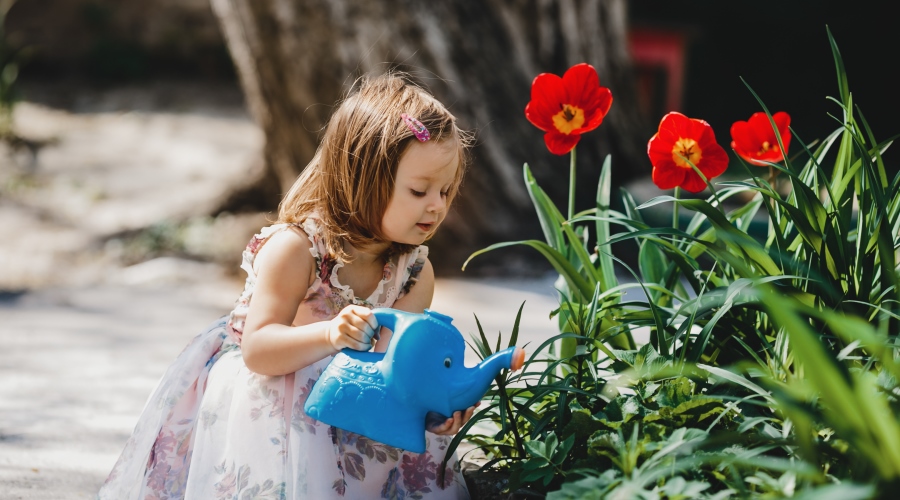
<point>387,317</point>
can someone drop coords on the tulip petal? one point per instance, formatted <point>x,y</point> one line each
<point>596,110</point>
<point>660,152</point>
<point>580,81</point>
<point>760,126</point>
<point>714,162</point>
<point>692,182</point>
<point>783,122</point>
<point>740,136</point>
<point>547,97</point>
<point>668,178</point>
<point>560,144</point>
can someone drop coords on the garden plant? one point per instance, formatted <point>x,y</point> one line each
<point>772,362</point>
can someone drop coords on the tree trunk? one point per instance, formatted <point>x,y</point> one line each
<point>296,58</point>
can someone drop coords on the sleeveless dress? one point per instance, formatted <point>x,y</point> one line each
<point>212,429</point>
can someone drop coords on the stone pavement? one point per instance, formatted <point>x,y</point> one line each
<point>78,363</point>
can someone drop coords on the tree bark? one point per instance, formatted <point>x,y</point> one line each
<point>296,58</point>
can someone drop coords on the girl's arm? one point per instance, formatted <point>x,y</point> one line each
<point>270,344</point>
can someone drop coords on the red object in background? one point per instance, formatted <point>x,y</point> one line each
<point>755,140</point>
<point>680,142</point>
<point>567,107</point>
<point>658,49</point>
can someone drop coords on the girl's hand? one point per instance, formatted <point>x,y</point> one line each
<point>353,328</point>
<point>453,424</point>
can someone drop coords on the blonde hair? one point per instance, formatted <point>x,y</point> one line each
<point>349,182</point>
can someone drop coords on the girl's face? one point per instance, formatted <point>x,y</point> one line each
<point>419,204</point>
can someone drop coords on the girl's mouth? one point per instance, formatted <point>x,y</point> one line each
<point>425,227</point>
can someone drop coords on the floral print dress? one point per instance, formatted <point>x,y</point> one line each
<point>212,429</point>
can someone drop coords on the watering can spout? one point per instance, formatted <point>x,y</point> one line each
<point>475,382</point>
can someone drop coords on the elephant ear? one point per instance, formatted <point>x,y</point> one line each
<point>417,361</point>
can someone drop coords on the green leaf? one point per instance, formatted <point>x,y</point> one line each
<point>604,261</point>
<point>843,86</point>
<point>739,380</point>
<point>576,244</point>
<point>652,265</point>
<point>557,260</point>
<point>676,391</point>
<point>841,491</point>
<point>549,216</point>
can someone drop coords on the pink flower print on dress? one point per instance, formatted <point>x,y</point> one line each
<point>300,420</point>
<point>156,481</point>
<point>417,471</point>
<point>324,302</point>
<point>449,475</point>
<point>255,243</point>
<point>391,488</point>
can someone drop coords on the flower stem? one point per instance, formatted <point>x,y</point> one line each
<point>675,208</point>
<point>572,184</point>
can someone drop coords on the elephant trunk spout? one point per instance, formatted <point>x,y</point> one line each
<point>477,380</point>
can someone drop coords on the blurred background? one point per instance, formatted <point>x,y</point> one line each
<point>138,129</point>
<point>142,143</point>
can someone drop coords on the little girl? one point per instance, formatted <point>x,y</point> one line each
<point>226,421</point>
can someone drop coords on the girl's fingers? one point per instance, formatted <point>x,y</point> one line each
<point>354,325</point>
<point>365,321</point>
<point>370,319</point>
<point>452,425</point>
<point>456,422</point>
<point>361,335</point>
<point>438,429</point>
<point>362,346</point>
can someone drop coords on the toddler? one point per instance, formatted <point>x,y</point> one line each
<point>226,421</point>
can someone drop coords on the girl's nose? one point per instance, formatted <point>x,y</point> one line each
<point>437,205</point>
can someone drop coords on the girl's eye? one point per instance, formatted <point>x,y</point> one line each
<point>417,194</point>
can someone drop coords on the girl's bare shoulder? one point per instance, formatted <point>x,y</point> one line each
<point>287,250</point>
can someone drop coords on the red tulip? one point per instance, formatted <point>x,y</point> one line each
<point>567,107</point>
<point>680,142</point>
<point>755,141</point>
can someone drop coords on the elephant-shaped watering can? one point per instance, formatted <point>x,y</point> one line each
<point>386,396</point>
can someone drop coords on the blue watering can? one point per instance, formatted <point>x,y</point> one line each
<point>387,396</point>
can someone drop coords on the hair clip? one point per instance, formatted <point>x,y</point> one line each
<point>416,126</point>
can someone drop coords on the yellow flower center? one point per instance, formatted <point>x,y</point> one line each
<point>568,119</point>
<point>685,152</point>
<point>766,147</point>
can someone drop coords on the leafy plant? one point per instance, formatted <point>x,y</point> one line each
<point>772,362</point>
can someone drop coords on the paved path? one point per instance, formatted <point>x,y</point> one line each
<point>78,364</point>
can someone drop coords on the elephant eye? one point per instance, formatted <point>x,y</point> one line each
<point>447,362</point>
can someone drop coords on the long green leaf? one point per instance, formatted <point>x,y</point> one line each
<point>549,216</point>
<point>604,261</point>
<point>556,259</point>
